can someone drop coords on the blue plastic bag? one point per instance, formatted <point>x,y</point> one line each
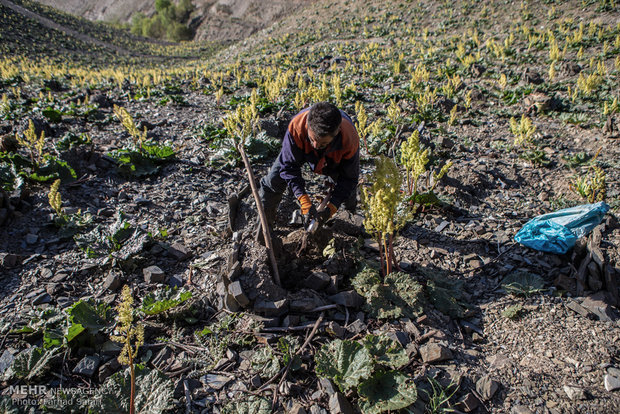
<point>557,232</point>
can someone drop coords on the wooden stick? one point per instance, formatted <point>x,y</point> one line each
<point>261,214</point>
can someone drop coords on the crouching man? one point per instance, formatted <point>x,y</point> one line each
<point>324,137</point>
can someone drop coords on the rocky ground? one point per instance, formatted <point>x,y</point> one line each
<point>550,348</point>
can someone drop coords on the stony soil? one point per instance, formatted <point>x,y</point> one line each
<point>556,356</point>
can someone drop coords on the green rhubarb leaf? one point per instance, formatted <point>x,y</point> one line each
<point>164,300</point>
<point>31,364</point>
<point>248,405</point>
<point>154,392</point>
<point>265,363</point>
<point>523,283</point>
<point>345,362</point>
<point>386,391</point>
<point>386,351</point>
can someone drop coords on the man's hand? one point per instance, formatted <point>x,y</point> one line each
<point>327,213</point>
<point>312,214</point>
<point>308,210</point>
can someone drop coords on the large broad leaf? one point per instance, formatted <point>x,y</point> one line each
<point>386,391</point>
<point>386,351</point>
<point>159,152</point>
<point>248,405</point>
<point>400,294</point>
<point>163,300</point>
<point>262,147</point>
<point>445,299</point>
<point>9,179</point>
<point>523,283</point>
<point>154,392</point>
<point>86,316</point>
<point>53,338</point>
<point>72,140</point>
<point>344,362</point>
<point>265,363</point>
<point>52,114</point>
<point>134,163</point>
<point>31,364</point>
<point>53,168</point>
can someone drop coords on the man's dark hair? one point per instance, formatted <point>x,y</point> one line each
<point>324,118</point>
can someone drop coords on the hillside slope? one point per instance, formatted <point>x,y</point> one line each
<point>214,20</point>
<point>519,101</point>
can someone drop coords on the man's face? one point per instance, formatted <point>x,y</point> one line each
<point>321,142</point>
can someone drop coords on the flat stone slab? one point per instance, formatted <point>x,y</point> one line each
<point>179,251</point>
<point>237,293</point>
<point>434,352</point>
<point>87,366</point>
<point>216,381</point>
<point>612,383</point>
<point>153,274</point>
<point>271,308</point>
<point>487,387</point>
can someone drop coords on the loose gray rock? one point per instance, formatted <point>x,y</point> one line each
<point>434,352</point>
<point>468,403</point>
<point>87,366</point>
<point>317,280</point>
<point>338,404</point>
<point>350,299</point>
<point>108,369</point>
<point>297,409</point>
<point>216,381</point>
<point>112,282</point>
<point>575,393</point>
<point>327,386</point>
<point>599,305</point>
<point>42,298</point>
<point>612,383</point>
<point>153,274</point>
<point>237,293</point>
<point>487,387</point>
<point>315,409</point>
<point>179,251</point>
<point>271,308</point>
<point>46,273</point>
<point>9,259</point>
<point>356,327</point>
<point>334,328</point>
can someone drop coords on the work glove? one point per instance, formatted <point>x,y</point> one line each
<point>308,210</point>
<point>327,213</point>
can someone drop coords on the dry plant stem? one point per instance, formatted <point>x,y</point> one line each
<point>299,351</point>
<point>392,255</point>
<point>132,403</point>
<point>261,214</point>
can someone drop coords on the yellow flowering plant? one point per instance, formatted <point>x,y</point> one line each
<point>381,205</point>
<point>131,336</point>
<point>414,158</point>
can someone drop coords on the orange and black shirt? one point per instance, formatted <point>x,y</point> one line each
<point>340,160</point>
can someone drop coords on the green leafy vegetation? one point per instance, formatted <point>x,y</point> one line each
<point>362,366</point>
<point>164,300</point>
<point>169,21</point>
<point>523,283</point>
